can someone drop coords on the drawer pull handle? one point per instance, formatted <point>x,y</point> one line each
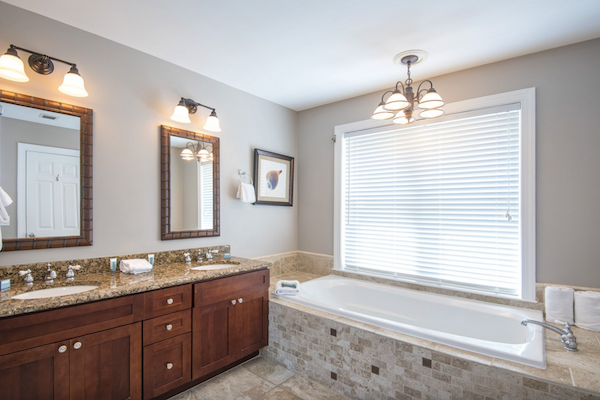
<point>169,365</point>
<point>233,302</point>
<point>169,327</point>
<point>169,301</point>
<point>240,300</point>
<point>77,345</point>
<point>62,349</point>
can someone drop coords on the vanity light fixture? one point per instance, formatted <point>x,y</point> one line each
<point>197,151</point>
<point>12,68</point>
<point>189,106</point>
<point>400,105</point>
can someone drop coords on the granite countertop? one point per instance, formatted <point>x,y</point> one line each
<point>118,284</point>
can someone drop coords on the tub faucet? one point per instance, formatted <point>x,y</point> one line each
<point>566,334</point>
<point>51,274</point>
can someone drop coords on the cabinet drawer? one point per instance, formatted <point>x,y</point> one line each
<point>224,288</point>
<point>167,365</point>
<point>166,301</point>
<point>31,330</point>
<point>167,326</point>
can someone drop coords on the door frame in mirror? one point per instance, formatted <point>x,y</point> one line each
<point>86,141</point>
<point>165,185</point>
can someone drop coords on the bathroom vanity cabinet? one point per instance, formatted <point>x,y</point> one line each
<point>136,346</point>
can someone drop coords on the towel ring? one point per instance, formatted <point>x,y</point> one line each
<point>243,174</point>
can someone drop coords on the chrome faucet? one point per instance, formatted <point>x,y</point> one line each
<point>188,260</point>
<point>27,277</point>
<point>566,334</point>
<point>71,273</point>
<point>51,274</point>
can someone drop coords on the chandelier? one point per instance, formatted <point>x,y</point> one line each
<point>400,105</point>
<point>197,151</point>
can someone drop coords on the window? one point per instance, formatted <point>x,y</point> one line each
<point>448,203</point>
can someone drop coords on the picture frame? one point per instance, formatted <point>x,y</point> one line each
<point>273,178</point>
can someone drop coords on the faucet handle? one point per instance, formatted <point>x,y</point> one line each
<point>26,272</point>
<point>70,272</point>
<point>27,277</point>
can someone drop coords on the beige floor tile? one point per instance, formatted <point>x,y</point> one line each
<point>279,394</point>
<point>236,384</point>
<point>269,370</point>
<point>309,390</point>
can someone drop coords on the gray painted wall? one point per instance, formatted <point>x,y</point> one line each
<point>568,164</point>
<point>132,94</point>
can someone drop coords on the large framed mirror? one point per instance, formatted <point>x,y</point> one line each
<point>46,152</point>
<point>190,196</point>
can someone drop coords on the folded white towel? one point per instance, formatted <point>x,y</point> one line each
<point>135,266</point>
<point>246,193</point>
<point>287,287</point>
<point>559,304</point>
<point>587,310</point>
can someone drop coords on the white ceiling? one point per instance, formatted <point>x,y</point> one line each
<point>306,53</point>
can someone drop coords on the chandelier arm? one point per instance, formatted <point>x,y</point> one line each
<point>389,91</point>
<point>401,84</point>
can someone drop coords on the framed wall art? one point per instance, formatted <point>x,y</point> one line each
<point>273,178</point>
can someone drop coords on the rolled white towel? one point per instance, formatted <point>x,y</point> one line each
<point>246,193</point>
<point>559,304</point>
<point>587,310</point>
<point>287,287</point>
<point>135,266</point>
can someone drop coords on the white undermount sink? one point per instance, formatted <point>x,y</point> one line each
<point>211,267</point>
<point>53,292</point>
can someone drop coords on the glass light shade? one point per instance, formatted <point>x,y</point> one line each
<point>11,68</point>
<point>397,101</point>
<point>73,85</point>
<point>203,153</point>
<point>181,114</point>
<point>433,113</point>
<point>187,154</point>
<point>402,119</point>
<point>381,113</point>
<point>212,123</point>
<point>431,100</point>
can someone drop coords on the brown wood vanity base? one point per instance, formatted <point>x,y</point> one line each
<point>142,346</point>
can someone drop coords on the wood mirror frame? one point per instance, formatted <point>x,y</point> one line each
<point>165,159</point>
<point>86,156</point>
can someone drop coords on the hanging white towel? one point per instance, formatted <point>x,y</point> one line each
<point>135,266</point>
<point>5,201</point>
<point>246,193</point>
<point>559,304</point>
<point>587,310</point>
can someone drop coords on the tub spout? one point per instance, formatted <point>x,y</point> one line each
<point>566,333</point>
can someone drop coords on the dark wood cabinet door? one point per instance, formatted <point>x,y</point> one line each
<point>213,344</point>
<point>41,373</point>
<point>167,365</point>
<point>107,365</point>
<point>251,322</point>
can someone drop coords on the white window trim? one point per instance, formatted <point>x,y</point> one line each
<point>527,182</point>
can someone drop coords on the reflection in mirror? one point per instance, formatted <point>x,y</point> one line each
<point>46,169</point>
<point>190,187</point>
<point>39,170</point>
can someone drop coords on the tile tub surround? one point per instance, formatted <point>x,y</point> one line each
<point>303,340</point>
<point>118,284</point>
<point>259,379</point>
<point>102,264</point>
<point>282,263</point>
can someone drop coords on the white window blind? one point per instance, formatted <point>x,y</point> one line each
<point>206,195</point>
<point>431,203</point>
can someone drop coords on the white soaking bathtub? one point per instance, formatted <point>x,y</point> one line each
<point>484,328</point>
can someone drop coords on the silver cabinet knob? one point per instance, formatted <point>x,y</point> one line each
<point>169,327</point>
<point>62,349</point>
<point>233,302</point>
<point>240,300</point>
<point>77,345</point>
<point>169,301</point>
<point>169,365</point>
